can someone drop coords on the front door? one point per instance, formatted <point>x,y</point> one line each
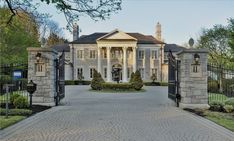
<point>117,72</point>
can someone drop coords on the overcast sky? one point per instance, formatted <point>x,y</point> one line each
<point>180,19</point>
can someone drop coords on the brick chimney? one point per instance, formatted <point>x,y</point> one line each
<point>75,31</point>
<point>158,32</point>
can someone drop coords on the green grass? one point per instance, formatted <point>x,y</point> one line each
<point>5,122</point>
<point>217,97</point>
<point>224,119</point>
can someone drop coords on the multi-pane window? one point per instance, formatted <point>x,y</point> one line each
<point>105,72</point>
<point>91,71</point>
<point>142,72</point>
<point>79,73</point>
<point>154,72</point>
<point>141,54</point>
<point>92,54</point>
<point>154,54</point>
<point>80,54</point>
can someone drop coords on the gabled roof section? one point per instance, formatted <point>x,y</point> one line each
<point>117,35</point>
<point>173,48</point>
<point>61,47</point>
<point>140,38</point>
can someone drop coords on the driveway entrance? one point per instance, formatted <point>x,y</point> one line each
<point>95,116</point>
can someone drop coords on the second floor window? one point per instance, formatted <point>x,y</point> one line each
<point>154,54</point>
<point>80,54</point>
<point>141,54</point>
<point>92,54</point>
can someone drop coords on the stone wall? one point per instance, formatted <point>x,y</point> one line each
<point>43,75</point>
<point>193,79</point>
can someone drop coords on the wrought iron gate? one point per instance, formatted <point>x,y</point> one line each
<point>60,84</point>
<point>173,79</point>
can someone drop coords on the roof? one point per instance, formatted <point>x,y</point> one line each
<point>141,39</point>
<point>173,48</point>
<point>61,47</point>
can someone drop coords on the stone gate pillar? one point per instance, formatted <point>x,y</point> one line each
<point>41,69</point>
<point>193,78</point>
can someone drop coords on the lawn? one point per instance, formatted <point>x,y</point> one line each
<point>224,119</point>
<point>5,122</point>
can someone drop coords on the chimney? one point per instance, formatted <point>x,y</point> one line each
<point>75,31</point>
<point>158,32</point>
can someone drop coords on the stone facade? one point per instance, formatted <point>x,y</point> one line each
<point>42,72</point>
<point>193,78</point>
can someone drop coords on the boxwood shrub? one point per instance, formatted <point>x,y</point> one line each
<point>77,82</point>
<point>16,112</point>
<point>216,106</point>
<point>230,102</point>
<point>117,86</point>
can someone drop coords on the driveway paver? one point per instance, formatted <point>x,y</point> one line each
<point>95,116</point>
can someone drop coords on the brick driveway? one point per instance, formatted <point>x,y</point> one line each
<point>90,116</point>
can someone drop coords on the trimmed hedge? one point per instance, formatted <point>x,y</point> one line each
<point>16,112</point>
<point>119,86</point>
<point>77,82</point>
<point>20,102</point>
<point>155,83</point>
<point>230,101</point>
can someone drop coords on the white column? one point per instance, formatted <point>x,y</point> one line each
<point>134,59</point>
<point>125,67</point>
<point>99,59</point>
<point>108,49</point>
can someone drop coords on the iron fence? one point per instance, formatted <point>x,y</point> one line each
<point>16,75</point>
<point>220,83</point>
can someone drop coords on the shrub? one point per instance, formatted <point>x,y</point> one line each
<point>151,83</point>
<point>216,106</point>
<point>16,112</point>
<point>20,102</point>
<point>213,86</point>
<point>137,81</point>
<point>230,101</point>
<point>163,84</point>
<point>13,97</point>
<point>96,83</point>
<point>153,77</point>
<point>69,82</point>
<point>132,77</point>
<point>228,108</point>
<point>118,86</point>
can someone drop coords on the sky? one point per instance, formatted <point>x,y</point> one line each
<point>180,19</point>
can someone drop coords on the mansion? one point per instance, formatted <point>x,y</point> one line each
<point>126,52</point>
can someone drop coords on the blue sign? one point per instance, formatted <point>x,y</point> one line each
<point>17,74</point>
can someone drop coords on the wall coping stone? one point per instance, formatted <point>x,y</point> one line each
<point>39,49</point>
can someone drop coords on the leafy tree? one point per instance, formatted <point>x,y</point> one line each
<point>22,33</point>
<point>72,9</point>
<point>54,39</point>
<point>231,36</point>
<point>216,41</point>
<point>137,81</point>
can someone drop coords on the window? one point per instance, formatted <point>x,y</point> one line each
<point>80,54</point>
<point>40,69</point>
<point>105,72</point>
<point>141,54</point>
<point>154,71</point>
<point>154,54</point>
<point>91,71</point>
<point>79,73</point>
<point>142,72</point>
<point>92,54</point>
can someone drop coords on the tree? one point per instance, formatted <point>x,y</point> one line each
<point>231,36</point>
<point>216,41</point>
<point>72,9</point>
<point>54,39</point>
<point>137,81</point>
<point>22,33</point>
<point>96,83</point>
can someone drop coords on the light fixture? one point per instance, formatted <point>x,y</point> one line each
<point>196,59</point>
<point>38,56</point>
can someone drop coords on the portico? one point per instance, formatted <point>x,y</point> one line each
<point>118,46</point>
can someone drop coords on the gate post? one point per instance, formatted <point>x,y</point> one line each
<point>193,78</point>
<point>41,70</point>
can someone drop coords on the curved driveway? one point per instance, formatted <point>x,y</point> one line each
<point>95,116</point>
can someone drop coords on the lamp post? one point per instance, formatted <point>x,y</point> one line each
<point>31,88</point>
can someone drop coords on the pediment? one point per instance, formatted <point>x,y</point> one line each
<point>117,35</point>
